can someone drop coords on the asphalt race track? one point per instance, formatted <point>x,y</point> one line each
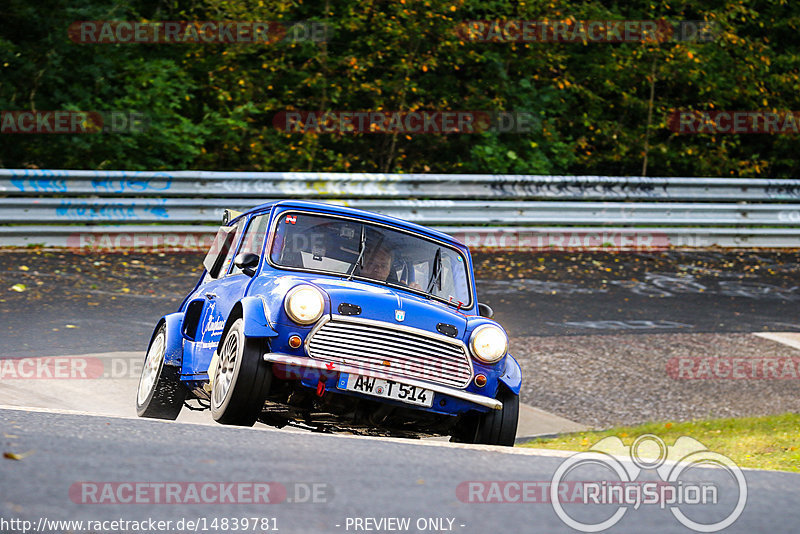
<point>57,462</point>
<point>353,477</point>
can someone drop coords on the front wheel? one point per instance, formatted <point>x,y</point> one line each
<point>160,394</point>
<point>495,427</point>
<point>241,380</point>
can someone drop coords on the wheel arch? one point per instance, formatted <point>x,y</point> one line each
<point>173,344</point>
<point>251,310</point>
<point>512,377</point>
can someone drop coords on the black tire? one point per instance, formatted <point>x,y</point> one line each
<point>248,378</point>
<point>160,394</point>
<point>499,427</point>
<point>495,427</point>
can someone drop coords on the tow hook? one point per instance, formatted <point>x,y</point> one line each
<point>321,387</point>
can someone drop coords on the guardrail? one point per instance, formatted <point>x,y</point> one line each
<point>79,208</point>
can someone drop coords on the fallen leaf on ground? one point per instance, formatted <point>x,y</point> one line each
<point>15,456</point>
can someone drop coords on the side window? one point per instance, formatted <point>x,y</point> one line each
<point>215,262</point>
<point>254,237</point>
<point>222,250</point>
<point>232,250</point>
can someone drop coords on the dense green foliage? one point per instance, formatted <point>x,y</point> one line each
<point>211,106</point>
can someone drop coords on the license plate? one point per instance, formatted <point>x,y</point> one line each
<point>386,389</point>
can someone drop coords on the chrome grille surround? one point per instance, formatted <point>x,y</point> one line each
<point>391,349</point>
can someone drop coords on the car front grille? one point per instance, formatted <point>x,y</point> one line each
<point>392,350</point>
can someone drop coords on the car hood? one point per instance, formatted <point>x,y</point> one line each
<point>391,305</point>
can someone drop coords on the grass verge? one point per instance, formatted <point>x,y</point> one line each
<point>770,442</point>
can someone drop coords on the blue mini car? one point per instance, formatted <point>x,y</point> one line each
<point>318,315</point>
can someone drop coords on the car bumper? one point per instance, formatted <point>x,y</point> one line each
<point>294,365</point>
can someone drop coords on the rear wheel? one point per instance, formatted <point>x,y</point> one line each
<point>241,380</point>
<point>160,394</point>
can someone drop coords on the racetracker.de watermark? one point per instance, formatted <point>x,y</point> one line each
<point>195,32</point>
<point>72,122</point>
<point>734,122</point>
<point>611,241</point>
<point>121,241</point>
<point>70,368</point>
<point>585,31</point>
<point>199,492</point>
<point>406,122</point>
<point>733,368</point>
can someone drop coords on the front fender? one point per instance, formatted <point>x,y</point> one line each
<point>512,378</point>
<point>173,348</point>
<point>255,320</point>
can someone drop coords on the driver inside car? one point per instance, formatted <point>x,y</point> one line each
<point>378,263</point>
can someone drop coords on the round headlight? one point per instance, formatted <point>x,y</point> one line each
<point>488,343</point>
<point>304,304</point>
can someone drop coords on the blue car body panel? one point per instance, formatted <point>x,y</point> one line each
<point>260,301</point>
<point>173,351</point>
<point>255,320</point>
<point>512,378</point>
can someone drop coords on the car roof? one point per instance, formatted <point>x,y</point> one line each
<point>337,209</point>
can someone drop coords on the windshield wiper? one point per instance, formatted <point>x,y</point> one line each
<point>436,274</point>
<point>361,249</point>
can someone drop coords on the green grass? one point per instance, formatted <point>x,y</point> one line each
<point>771,442</point>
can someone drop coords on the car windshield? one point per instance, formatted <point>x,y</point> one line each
<point>355,249</point>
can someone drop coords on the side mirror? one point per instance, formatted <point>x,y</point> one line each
<point>485,310</point>
<point>247,262</point>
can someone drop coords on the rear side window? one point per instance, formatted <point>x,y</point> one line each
<point>220,255</point>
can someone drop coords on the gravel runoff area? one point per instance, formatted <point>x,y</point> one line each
<point>610,380</point>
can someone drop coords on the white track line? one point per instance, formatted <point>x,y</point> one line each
<point>790,339</point>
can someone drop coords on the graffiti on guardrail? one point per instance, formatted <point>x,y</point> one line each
<point>100,185</point>
<point>782,190</point>
<point>40,185</point>
<point>126,185</point>
<point>79,210</point>
<point>571,187</point>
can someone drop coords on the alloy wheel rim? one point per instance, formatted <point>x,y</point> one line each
<point>152,362</point>
<point>223,377</point>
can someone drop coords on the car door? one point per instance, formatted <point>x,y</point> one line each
<point>222,293</point>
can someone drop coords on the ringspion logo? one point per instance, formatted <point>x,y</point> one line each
<point>673,465</point>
